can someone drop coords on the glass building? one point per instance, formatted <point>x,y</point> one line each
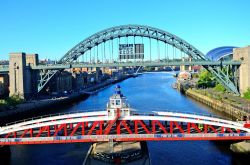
<point>224,53</point>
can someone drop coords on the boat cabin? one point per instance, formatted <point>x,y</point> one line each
<point>118,102</point>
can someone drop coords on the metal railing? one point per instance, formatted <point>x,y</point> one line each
<point>52,115</point>
<point>135,112</point>
<point>182,112</point>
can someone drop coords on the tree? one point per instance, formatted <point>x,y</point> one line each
<point>220,88</point>
<point>206,79</point>
<point>246,94</point>
<point>14,100</point>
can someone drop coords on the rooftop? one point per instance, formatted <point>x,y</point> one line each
<point>220,52</point>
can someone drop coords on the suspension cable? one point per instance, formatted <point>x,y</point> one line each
<point>150,49</point>
<point>97,60</point>
<point>118,48</point>
<point>173,53</point>
<point>112,51</point>
<point>109,52</point>
<point>181,54</point>
<point>158,50</point>
<point>90,55</point>
<point>104,51</point>
<point>93,58</point>
<point>127,58</point>
<point>134,50</point>
<point>165,50</point>
<point>140,49</point>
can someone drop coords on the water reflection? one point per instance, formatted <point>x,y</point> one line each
<point>147,92</point>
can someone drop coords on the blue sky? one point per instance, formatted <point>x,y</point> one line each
<point>52,27</point>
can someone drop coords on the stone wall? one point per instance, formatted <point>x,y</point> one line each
<point>243,54</point>
<point>217,104</point>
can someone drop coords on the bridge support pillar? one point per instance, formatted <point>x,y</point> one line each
<point>123,70</point>
<point>22,79</point>
<point>243,54</point>
<point>190,66</point>
<point>182,67</point>
<point>98,73</point>
<point>186,67</point>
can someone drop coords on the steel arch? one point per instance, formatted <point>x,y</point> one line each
<point>131,30</point>
<point>143,31</point>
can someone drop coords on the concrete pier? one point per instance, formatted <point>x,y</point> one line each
<point>131,153</point>
<point>241,147</point>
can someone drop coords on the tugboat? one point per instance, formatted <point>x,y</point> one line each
<point>113,152</point>
<point>118,101</point>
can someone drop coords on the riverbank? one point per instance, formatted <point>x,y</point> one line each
<point>38,107</point>
<point>43,106</point>
<point>219,104</point>
<point>224,106</point>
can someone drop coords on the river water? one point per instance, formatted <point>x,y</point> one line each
<point>147,92</point>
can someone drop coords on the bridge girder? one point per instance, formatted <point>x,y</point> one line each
<point>97,126</point>
<point>143,31</point>
<point>136,64</point>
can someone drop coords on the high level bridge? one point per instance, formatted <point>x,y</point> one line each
<point>150,47</point>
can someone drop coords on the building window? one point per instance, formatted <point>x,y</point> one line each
<point>118,102</point>
<point>112,102</point>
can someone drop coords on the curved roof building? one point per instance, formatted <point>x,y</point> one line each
<point>224,52</point>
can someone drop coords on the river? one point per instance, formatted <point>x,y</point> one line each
<point>147,92</point>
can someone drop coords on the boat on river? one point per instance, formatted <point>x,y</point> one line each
<point>113,152</point>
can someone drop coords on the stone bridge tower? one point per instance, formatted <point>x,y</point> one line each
<point>243,54</point>
<point>22,79</point>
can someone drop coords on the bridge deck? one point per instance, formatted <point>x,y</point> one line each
<point>131,64</point>
<point>97,126</point>
<point>128,64</point>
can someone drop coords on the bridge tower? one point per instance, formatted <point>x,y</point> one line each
<point>243,54</point>
<point>22,79</point>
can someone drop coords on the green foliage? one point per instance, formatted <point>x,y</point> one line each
<point>3,102</point>
<point>148,69</point>
<point>219,88</point>
<point>246,94</point>
<point>206,80</point>
<point>14,100</point>
<point>195,75</point>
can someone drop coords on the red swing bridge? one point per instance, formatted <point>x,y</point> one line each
<point>119,122</point>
